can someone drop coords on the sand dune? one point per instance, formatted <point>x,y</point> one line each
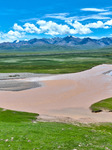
<point>68,95</point>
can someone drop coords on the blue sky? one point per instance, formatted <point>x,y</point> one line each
<point>26,19</point>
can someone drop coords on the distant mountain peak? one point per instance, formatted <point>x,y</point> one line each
<point>68,41</point>
<point>16,41</point>
<point>70,36</point>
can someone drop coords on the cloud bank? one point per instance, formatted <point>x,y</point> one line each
<point>64,24</point>
<point>93,9</point>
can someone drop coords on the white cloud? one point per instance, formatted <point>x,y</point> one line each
<point>98,24</point>
<point>27,27</point>
<point>14,34</point>
<point>93,9</point>
<point>106,13</point>
<point>10,36</point>
<point>85,29</point>
<point>72,25</point>
<point>57,14</point>
<point>17,27</point>
<point>99,16</point>
<point>30,19</point>
<point>41,22</point>
<point>95,17</point>
<point>80,29</point>
<point>53,28</point>
<point>61,16</point>
<point>109,22</point>
<point>31,28</point>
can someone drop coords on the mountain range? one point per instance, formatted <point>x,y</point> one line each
<point>57,42</point>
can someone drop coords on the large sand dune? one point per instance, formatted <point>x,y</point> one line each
<point>68,95</point>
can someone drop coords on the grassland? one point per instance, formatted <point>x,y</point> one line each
<point>18,131</point>
<point>53,63</point>
<point>104,105</point>
<point>15,116</point>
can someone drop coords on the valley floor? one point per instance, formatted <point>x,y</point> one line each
<point>63,96</point>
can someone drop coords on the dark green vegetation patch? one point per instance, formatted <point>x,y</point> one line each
<point>102,105</point>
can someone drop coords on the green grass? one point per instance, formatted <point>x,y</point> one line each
<point>102,105</point>
<point>15,116</point>
<point>53,63</point>
<point>18,132</point>
<point>54,136</point>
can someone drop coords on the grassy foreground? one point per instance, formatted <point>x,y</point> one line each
<point>102,105</point>
<point>18,132</point>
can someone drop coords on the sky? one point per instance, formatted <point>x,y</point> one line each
<point>27,19</point>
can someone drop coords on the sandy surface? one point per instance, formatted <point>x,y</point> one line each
<point>68,95</point>
<point>14,85</point>
<point>15,82</point>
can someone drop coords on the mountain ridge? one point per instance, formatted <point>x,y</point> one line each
<point>68,41</point>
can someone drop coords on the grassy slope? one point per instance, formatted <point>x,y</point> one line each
<point>18,132</point>
<point>102,105</point>
<point>54,136</point>
<point>15,116</point>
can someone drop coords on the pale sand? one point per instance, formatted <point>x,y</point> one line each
<point>68,95</point>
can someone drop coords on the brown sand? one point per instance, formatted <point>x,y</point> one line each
<point>68,95</point>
